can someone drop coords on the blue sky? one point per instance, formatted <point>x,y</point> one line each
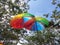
<point>40,7</point>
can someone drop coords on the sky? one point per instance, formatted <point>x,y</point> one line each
<point>40,7</point>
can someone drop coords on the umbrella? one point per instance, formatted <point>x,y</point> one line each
<point>37,23</point>
<point>18,20</point>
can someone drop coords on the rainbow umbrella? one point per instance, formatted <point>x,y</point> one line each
<point>18,21</point>
<point>37,23</point>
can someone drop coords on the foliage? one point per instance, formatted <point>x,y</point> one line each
<point>9,8</point>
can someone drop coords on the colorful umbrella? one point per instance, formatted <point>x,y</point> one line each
<point>36,24</point>
<point>18,20</point>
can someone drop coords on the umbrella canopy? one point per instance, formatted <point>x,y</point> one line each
<point>18,21</point>
<point>36,24</point>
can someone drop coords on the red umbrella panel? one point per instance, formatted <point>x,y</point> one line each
<point>29,24</point>
<point>17,23</point>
